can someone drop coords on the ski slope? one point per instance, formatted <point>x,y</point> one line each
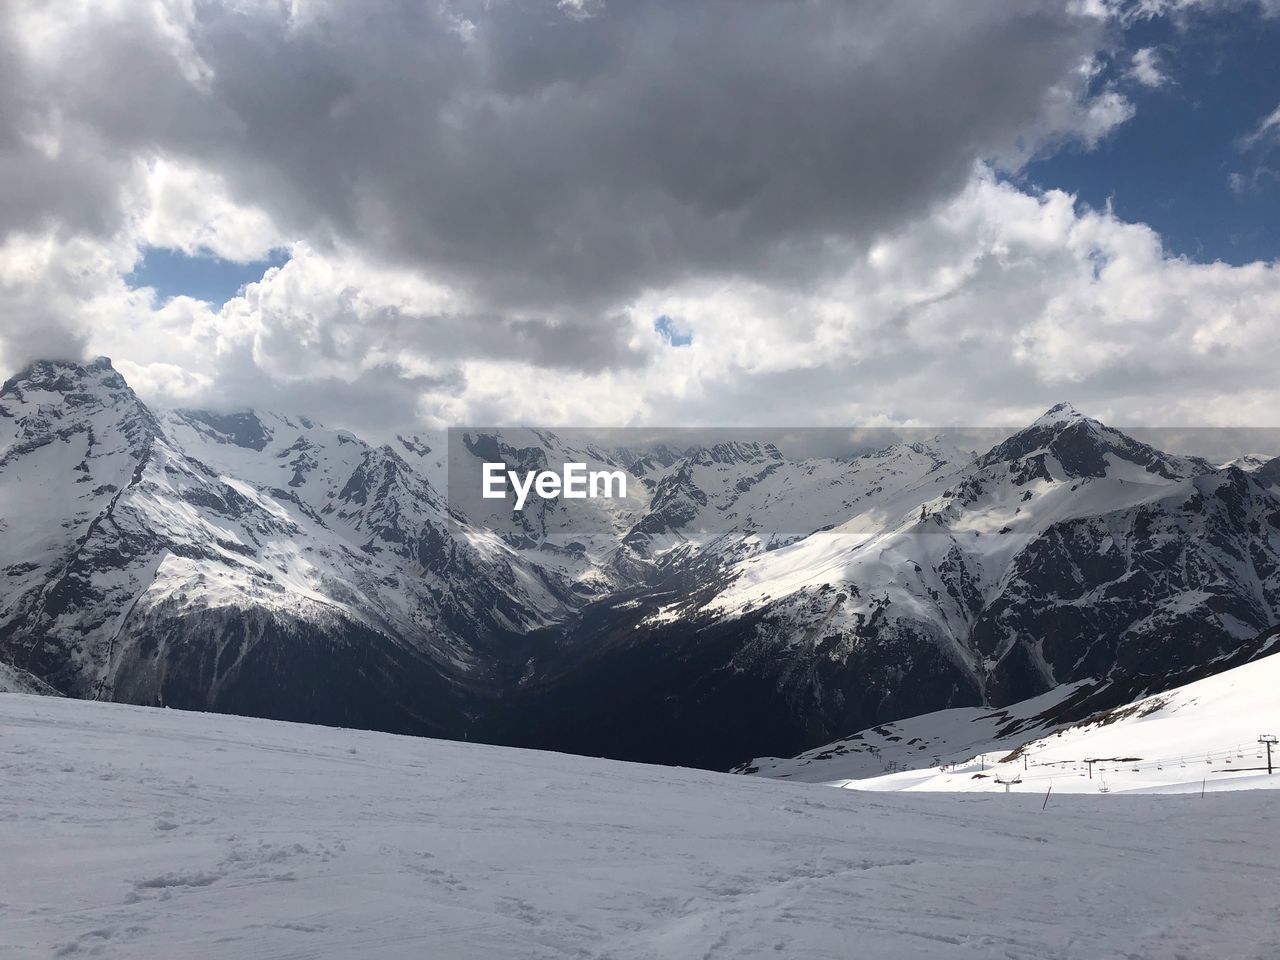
<point>924,742</point>
<point>143,833</point>
<point>1199,737</point>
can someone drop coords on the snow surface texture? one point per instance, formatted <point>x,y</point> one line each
<point>1202,736</point>
<point>140,833</point>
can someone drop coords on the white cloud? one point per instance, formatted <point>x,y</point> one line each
<point>189,209</point>
<point>993,306</point>
<point>1180,9</point>
<point>1267,129</point>
<point>486,231</point>
<point>1145,68</point>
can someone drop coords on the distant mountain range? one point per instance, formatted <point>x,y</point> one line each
<point>739,603</point>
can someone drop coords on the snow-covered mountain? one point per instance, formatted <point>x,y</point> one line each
<point>250,563</point>
<point>739,602</point>
<point>1068,552</point>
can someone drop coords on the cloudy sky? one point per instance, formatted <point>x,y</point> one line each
<point>393,214</point>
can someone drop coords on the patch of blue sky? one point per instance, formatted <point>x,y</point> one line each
<point>206,277</point>
<point>1185,163</point>
<point>672,331</point>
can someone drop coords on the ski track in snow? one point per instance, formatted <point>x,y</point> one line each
<point>140,833</point>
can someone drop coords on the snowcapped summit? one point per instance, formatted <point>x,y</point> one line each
<point>66,388</point>
<point>248,562</point>
<point>56,398</point>
<point>938,451</point>
<point>1064,444</point>
<point>1249,462</point>
<point>1062,412</point>
<point>63,375</point>
<point>72,436</point>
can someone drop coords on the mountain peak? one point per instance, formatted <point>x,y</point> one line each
<point>64,376</point>
<point>1059,413</point>
<point>1082,447</point>
<point>58,400</point>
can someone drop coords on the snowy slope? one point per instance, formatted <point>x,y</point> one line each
<point>748,488</point>
<point>1201,735</point>
<point>377,518</point>
<point>916,743</point>
<point>132,832</point>
<point>941,549</point>
<point>1191,736</point>
<point>13,680</point>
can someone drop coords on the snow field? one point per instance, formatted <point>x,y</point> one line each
<point>141,833</point>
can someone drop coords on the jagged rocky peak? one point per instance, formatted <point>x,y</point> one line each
<point>734,451</point>
<point>1249,462</point>
<point>65,377</point>
<point>1060,413</point>
<point>647,459</point>
<point>52,399</point>
<point>929,447</point>
<point>1065,444</point>
<point>936,449</point>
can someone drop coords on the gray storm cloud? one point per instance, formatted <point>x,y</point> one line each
<point>549,159</point>
<point>544,160</point>
<point>488,204</point>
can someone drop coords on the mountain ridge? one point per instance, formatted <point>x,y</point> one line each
<point>741,602</point>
